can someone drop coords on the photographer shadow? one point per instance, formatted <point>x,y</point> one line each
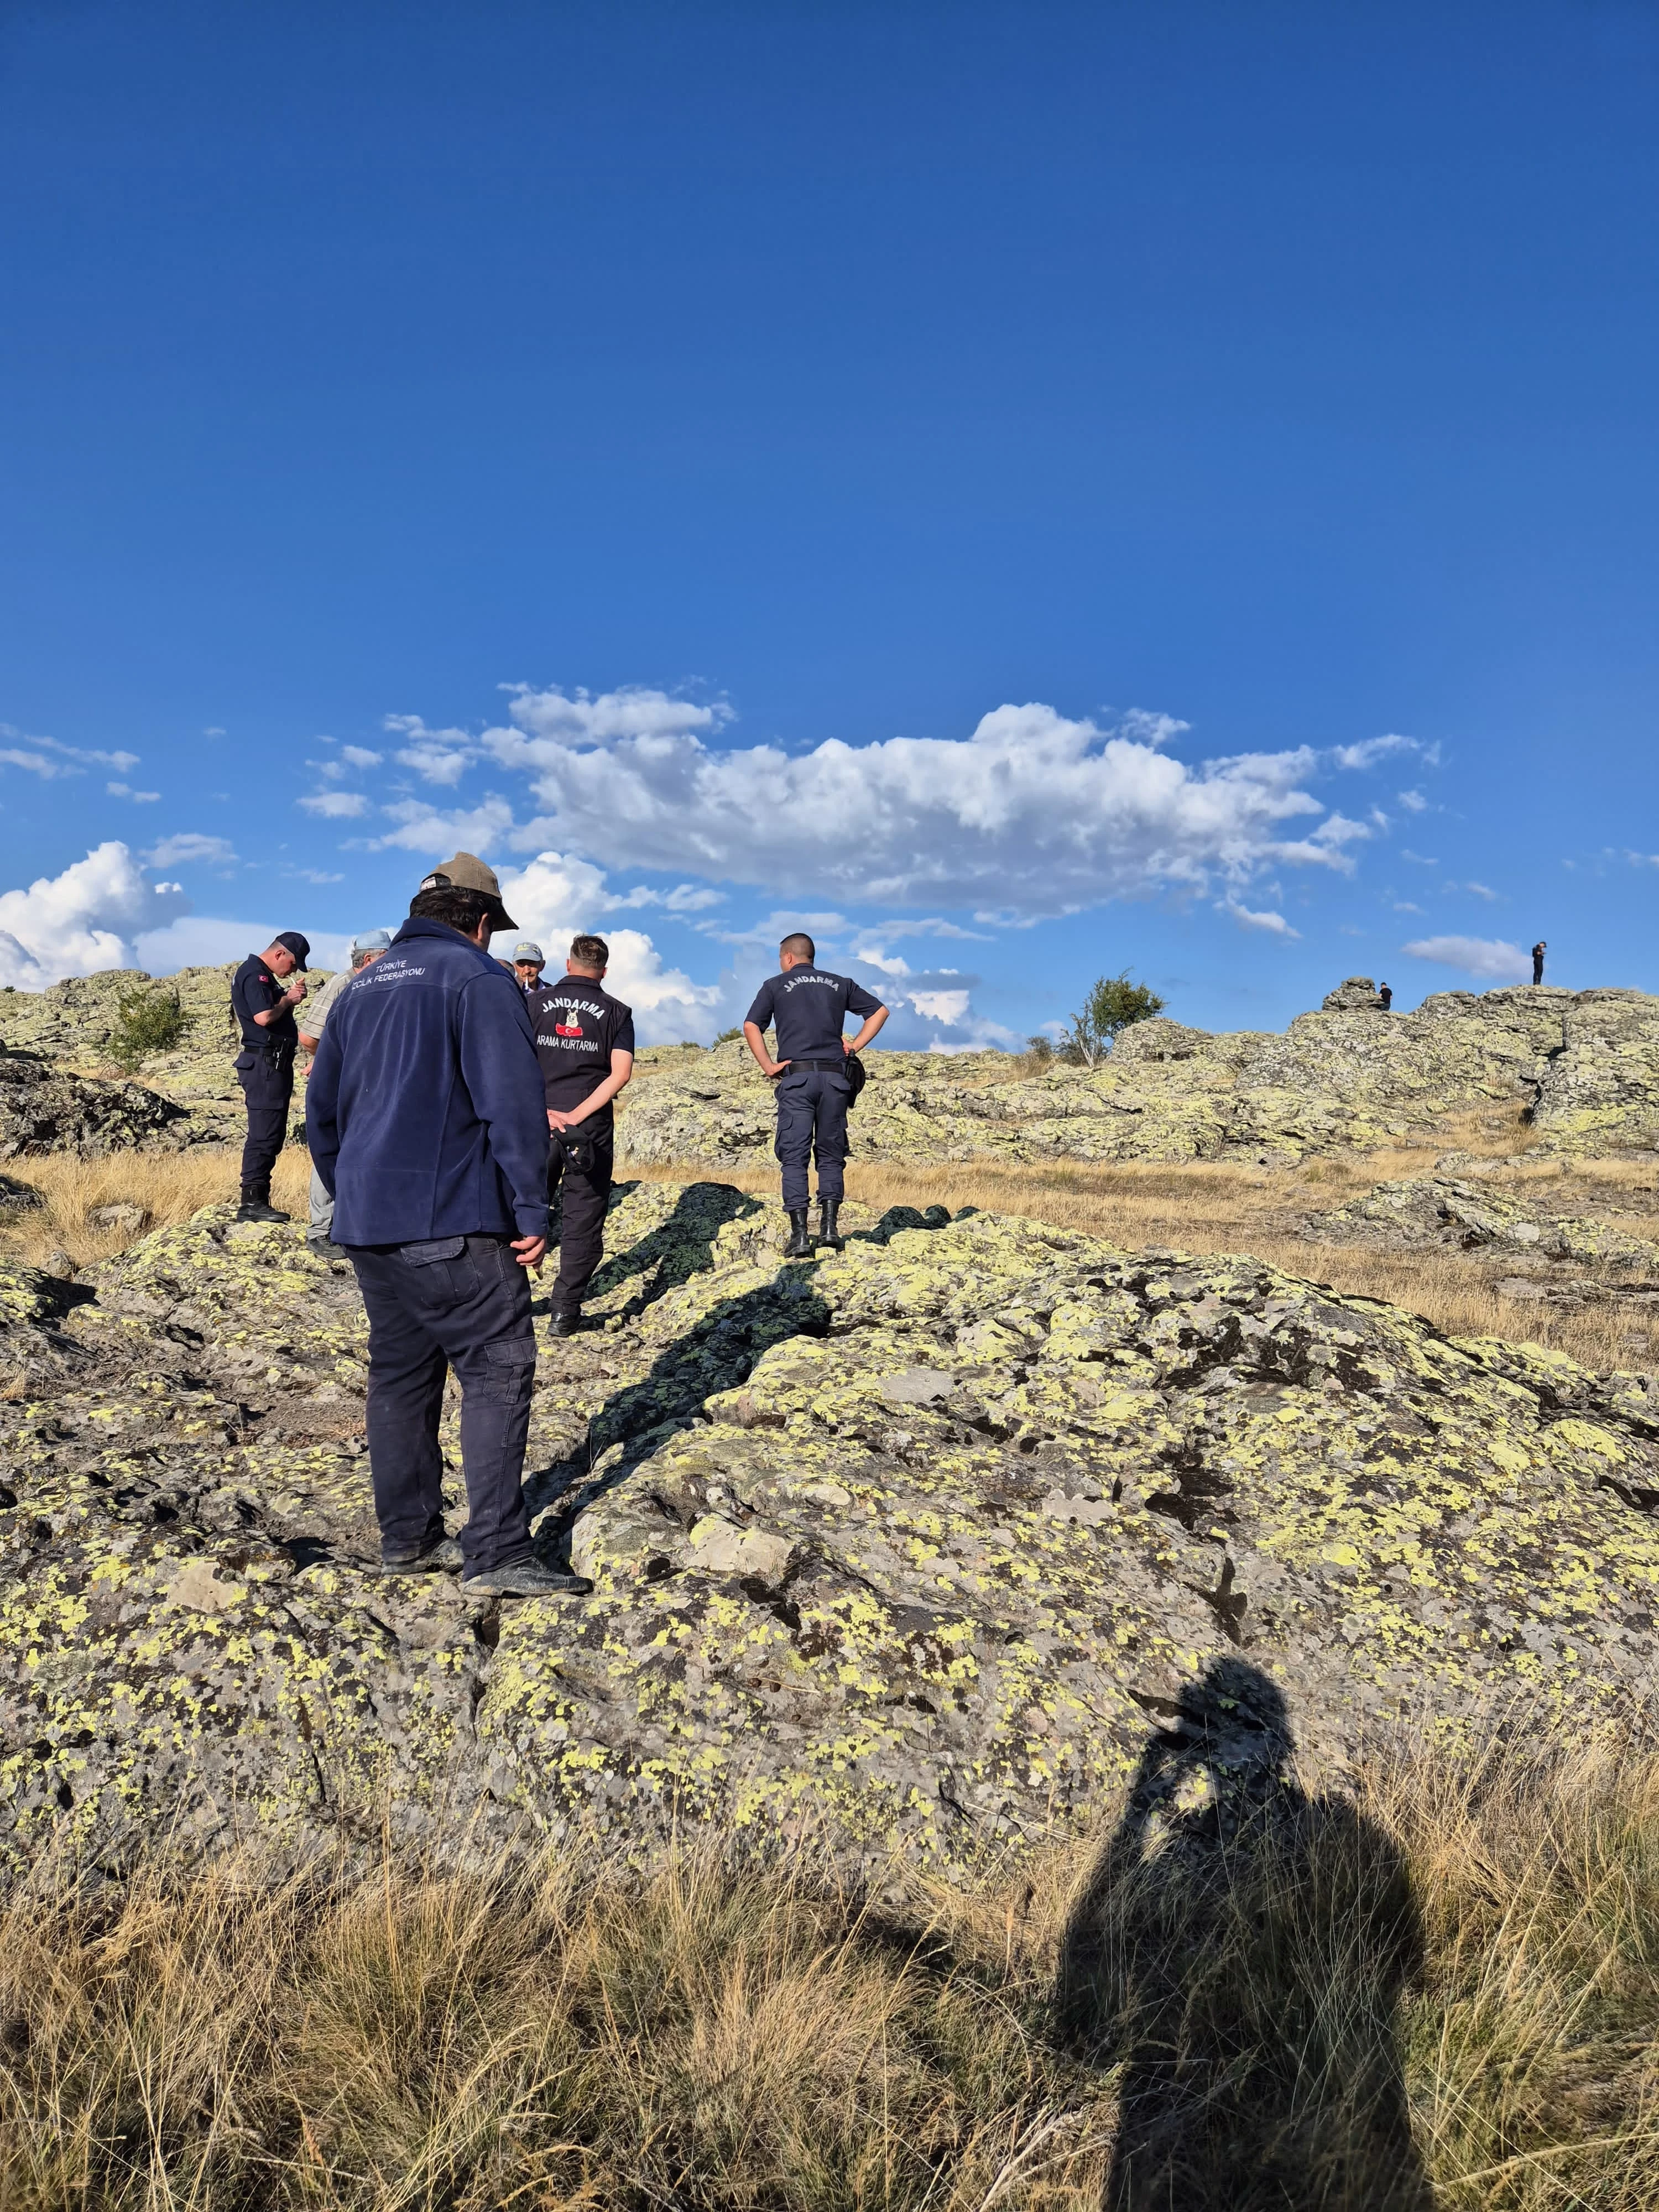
<point>1241,1949</point>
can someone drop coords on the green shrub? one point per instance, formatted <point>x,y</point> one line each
<point>148,1019</point>
<point>1109,1009</point>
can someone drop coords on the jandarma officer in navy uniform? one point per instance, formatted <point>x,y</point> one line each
<point>265,1065</point>
<point>585,1043</point>
<point>809,1007</point>
<point>426,1122</point>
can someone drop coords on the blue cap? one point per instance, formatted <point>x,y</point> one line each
<point>372,940</point>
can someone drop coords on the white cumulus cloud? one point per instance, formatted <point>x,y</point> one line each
<point>1491,958</point>
<point>435,833</point>
<point>187,845</point>
<point>205,940</point>
<point>337,805</point>
<point>88,918</point>
<point>1274,924</point>
<point>1042,813</point>
<point>555,897</point>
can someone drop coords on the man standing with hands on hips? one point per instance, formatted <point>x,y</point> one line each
<point>809,1007</point>
<point>265,1065</point>
<point>428,1127</point>
<point>585,1043</point>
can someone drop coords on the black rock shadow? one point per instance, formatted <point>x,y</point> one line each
<point>721,1352</point>
<point>678,1248</point>
<point>1241,1949</point>
<point>904,1217</point>
<point>717,1353</point>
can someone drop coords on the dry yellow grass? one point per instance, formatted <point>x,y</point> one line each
<point>168,1186</point>
<point>1224,1207</point>
<point>1201,1207</point>
<point>1442,1988</point>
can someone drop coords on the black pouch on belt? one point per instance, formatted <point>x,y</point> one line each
<point>578,1147</point>
<point>857,1077</point>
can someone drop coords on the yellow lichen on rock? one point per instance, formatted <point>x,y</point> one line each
<point>906,1543</point>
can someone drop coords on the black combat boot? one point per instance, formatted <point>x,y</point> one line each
<point>256,1206</point>
<point>829,1233</point>
<point>799,1246</point>
<point>564,1321</point>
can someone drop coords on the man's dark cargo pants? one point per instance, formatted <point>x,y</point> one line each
<point>459,1302</point>
<point>812,1104</point>
<point>586,1198</point>
<point>266,1076</point>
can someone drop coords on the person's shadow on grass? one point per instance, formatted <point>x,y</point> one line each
<point>1241,1949</point>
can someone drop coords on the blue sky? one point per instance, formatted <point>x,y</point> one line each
<point>549,428</point>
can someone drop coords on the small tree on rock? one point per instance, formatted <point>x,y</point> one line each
<point>1111,1007</point>
<point>148,1019</point>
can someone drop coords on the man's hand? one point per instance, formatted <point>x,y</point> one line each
<point>756,1043</point>
<point>556,1120</point>
<point>530,1252</point>
<point>294,993</point>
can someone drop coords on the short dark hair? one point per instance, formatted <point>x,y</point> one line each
<point>461,909</point>
<point>800,944</point>
<point>590,951</point>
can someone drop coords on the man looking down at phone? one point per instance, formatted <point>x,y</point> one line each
<point>426,1122</point>
<point>585,1043</point>
<point>809,1008</point>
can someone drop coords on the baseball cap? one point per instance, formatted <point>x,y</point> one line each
<point>372,940</point>
<point>291,941</point>
<point>467,872</point>
<point>524,949</point>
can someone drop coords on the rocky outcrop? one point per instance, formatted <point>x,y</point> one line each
<point>73,1021</point>
<point>1357,994</point>
<point>1584,1066</point>
<point>1414,1215</point>
<point>44,1108</point>
<point>905,1544</point>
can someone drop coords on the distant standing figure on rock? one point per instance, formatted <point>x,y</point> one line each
<point>1538,952</point>
<point>1384,998</point>
<point>810,1008</point>
<point>426,1122</point>
<point>265,1065</point>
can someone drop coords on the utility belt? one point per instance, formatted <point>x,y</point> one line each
<point>848,1064</point>
<point>282,1048</point>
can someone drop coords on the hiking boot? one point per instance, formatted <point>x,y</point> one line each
<point>799,1246</point>
<point>829,1233</point>
<point>260,1209</point>
<point>443,1558</point>
<point>525,1578</point>
<point>565,1321</point>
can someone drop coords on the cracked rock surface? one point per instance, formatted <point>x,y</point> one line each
<point>1585,1064</point>
<point>44,1109</point>
<point>1414,1215</point>
<point>907,1543</point>
<point>201,1099</point>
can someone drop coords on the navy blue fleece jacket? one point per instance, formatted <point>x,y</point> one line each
<point>425,1112</point>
